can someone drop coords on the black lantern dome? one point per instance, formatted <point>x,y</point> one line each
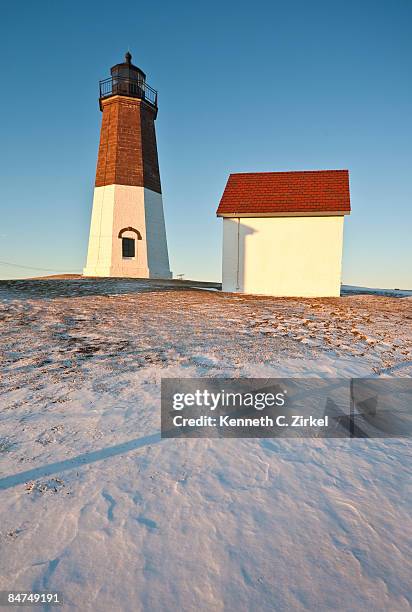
<point>127,80</point>
<point>127,70</point>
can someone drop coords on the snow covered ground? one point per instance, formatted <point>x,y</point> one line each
<point>352,289</point>
<point>94,504</point>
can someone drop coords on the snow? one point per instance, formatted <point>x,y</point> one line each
<point>353,289</point>
<point>94,504</point>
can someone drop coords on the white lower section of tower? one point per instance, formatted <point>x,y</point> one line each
<point>115,208</point>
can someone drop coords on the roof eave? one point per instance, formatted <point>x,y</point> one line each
<point>312,213</point>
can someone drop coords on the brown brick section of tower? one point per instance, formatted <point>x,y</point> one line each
<point>128,150</point>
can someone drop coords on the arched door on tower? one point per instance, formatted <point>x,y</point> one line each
<point>128,243</point>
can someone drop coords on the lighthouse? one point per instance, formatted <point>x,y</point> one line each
<point>127,231</point>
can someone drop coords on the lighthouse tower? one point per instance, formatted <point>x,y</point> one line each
<point>127,230</point>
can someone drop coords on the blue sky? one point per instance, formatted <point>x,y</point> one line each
<point>243,86</point>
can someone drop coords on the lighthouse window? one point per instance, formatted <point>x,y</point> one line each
<point>128,247</point>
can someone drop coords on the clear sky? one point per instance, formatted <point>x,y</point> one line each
<point>243,87</point>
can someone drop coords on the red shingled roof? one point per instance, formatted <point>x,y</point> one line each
<point>263,193</point>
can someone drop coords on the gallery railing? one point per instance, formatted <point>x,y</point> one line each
<point>127,87</point>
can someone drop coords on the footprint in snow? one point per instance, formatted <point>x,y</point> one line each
<point>151,525</point>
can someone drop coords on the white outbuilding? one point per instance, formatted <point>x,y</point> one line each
<point>283,232</point>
